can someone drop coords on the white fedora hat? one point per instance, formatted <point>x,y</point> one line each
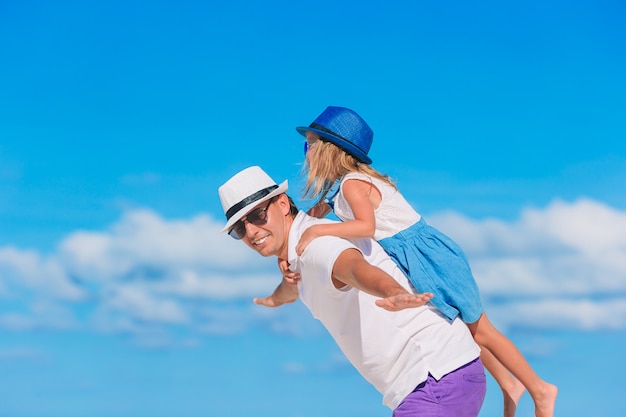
<point>245,190</point>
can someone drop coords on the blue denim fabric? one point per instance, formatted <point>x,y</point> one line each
<point>435,263</point>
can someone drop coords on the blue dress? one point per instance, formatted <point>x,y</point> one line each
<point>432,261</point>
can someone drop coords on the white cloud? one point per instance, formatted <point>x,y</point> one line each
<point>140,303</point>
<point>587,226</point>
<point>142,271</point>
<point>559,267</point>
<point>550,313</point>
<point>16,321</point>
<point>190,283</point>
<point>566,249</point>
<point>45,275</point>
<point>143,238</point>
<point>39,314</point>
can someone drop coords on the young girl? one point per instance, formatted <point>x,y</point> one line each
<point>339,175</point>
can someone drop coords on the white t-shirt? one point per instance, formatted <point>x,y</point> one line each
<point>394,351</point>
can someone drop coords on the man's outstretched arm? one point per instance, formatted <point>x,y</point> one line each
<point>352,269</point>
<point>285,293</point>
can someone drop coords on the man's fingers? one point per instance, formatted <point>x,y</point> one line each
<point>266,302</point>
<point>400,302</point>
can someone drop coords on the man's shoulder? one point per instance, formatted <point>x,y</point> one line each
<point>304,221</point>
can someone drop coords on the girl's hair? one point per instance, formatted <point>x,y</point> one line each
<point>327,164</point>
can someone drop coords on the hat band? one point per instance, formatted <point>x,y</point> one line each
<point>324,129</point>
<point>248,200</point>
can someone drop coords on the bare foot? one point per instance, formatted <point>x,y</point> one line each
<point>544,401</point>
<point>511,398</point>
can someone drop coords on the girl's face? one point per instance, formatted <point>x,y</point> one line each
<point>312,140</point>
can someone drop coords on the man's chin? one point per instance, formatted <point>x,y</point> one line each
<point>266,253</point>
<point>262,250</point>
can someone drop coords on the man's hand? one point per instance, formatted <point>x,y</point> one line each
<point>402,301</point>
<point>285,293</point>
<point>270,301</point>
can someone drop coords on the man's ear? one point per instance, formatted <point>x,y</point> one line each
<point>283,203</point>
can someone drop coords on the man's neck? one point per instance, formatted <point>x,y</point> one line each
<point>284,251</point>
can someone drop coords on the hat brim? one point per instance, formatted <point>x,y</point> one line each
<point>282,188</point>
<point>341,142</point>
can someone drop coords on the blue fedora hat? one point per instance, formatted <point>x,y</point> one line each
<point>346,129</point>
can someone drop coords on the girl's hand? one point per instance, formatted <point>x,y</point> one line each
<point>306,238</point>
<point>402,301</point>
<point>288,276</point>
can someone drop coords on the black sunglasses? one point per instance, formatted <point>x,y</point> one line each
<point>257,217</point>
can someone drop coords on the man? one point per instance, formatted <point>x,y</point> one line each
<point>423,364</point>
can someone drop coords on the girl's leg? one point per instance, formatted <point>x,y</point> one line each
<point>542,393</point>
<point>512,388</point>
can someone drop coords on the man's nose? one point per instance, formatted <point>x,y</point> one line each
<point>247,225</point>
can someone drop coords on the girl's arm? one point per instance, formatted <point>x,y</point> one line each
<point>363,198</point>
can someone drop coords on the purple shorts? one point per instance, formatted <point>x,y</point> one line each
<point>458,394</point>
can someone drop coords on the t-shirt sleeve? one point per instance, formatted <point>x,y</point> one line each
<point>319,257</point>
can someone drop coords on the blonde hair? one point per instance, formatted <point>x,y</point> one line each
<point>327,164</point>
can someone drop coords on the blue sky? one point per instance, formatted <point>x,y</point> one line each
<point>503,124</point>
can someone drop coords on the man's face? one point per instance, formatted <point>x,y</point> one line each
<point>270,239</point>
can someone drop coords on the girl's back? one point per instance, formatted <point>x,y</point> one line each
<point>392,215</point>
